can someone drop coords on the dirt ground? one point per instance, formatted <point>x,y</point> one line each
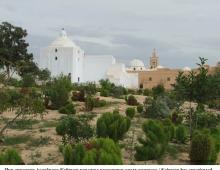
<point>42,143</point>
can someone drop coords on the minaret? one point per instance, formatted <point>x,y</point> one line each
<point>154,60</point>
<point>63,33</point>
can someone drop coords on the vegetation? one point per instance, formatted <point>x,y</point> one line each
<point>154,144</point>
<point>130,112</point>
<point>68,109</point>
<point>140,108</point>
<point>57,91</point>
<point>73,129</point>
<point>181,134</point>
<point>131,100</point>
<point>112,125</point>
<point>10,157</point>
<point>101,151</point>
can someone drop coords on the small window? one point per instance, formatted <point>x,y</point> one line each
<point>56,58</point>
<point>168,78</point>
<point>141,68</point>
<point>150,78</point>
<point>141,86</point>
<point>56,50</point>
<point>78,79</point>
<point>134,69</point>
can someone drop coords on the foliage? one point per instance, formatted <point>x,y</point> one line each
<point>154,144</point>
<point>147,92</point>
<point>158,90</point>
<point>73,129</point>
<point>58,91</point>
<point>206,119</point>
<point>131,100</point>
<point>181,134</point>
<point>130,112</point>
<point>10,157</point>
<point>177,117</point>
<point>25,102</point>
<point>89,103</point>
<point>169,128</point>
<point>156,108</point>
<point>68,109</point>
<point>112,125</point>
<point>99,103</point>
<point>101,151</point>
<point>202,149</point>
<point>140,108</point>
<point>78,96</point>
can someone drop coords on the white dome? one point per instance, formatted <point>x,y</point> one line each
<point>63,41</point>
<point>136,63</point>
<point>186,69</point>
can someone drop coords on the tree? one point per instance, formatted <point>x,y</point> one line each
<point>10,157</point>
<point>25,102</point>
<point>112,125</point>
<point>101,151</point>
<point>194,86</point>
<point>57,91</point>
<point>158,90</point>
<point>73,129</point>
<point>13,47</point>
<point>153,145</point>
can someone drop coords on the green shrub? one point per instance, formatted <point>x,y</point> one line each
<point>132,101</point>
<point>154,144</point>
<point>169,129</point>
<point>104,93</point>
<point>207,119</point>
<point>156,108</point>
<point>118,91</point>
<point>101,151</point>
<point>10,157</point>
<point>58,91</point>
<point>99,103</point>
<point>68,109</point>
<point>147,92</point>
<point>176,117</point>
<point>140,108</point>
<point>112,125</point>
<point>130,112</point>
<point>89,103</point>
<point>202,149</point>
<point>181,134</point>
<point>72,128</point>
<point>158,90</point>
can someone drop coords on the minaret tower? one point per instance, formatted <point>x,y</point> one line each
<point>154,60</point>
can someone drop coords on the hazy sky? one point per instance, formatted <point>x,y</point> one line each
<point>180,30</point>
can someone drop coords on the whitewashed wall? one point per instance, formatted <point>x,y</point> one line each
<point>96,66</point>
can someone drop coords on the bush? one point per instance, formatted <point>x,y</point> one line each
<point>169,128</point>
<point>156,108</point>
<point>58,91</point>
<point>72,128</point>
<point>176,117</point>
<point>158,90</point>
<point>78,96</point>
<point>132,101</point>
<point>118,91</point>
<point>68,109</point>
<point>10,157</point>
<point>101,151</point>
<point>104,93</point>
<point>181,134</point>
<point>99,103</point>
<point>112,125</point>
<point>130,112</point>
<point>140,108</point>
<point>154,144</point>
<point>202,149</point>
<point>89,103</point>
<point>207,119</point>
<point>147,92</point>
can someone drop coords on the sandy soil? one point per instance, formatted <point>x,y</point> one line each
<point>48,152</point>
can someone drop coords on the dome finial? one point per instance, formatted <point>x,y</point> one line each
<point>63,33</point>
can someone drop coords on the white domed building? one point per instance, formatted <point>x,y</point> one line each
<point>63,56</point>
<point>136,65</point>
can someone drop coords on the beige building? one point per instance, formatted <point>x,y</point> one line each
<point>156,74</point>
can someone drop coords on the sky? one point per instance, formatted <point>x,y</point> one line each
<point>180,30</point>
